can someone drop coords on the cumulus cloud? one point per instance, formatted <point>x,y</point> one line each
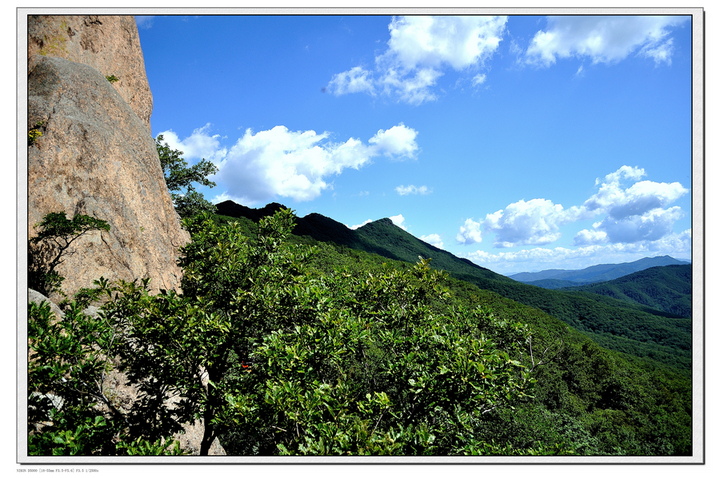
<point>678,245</point>
<point>534,222</point>
<point>648,226</point>
<point>411,189</point>
<point>641,197</point>
<point>398,142</point>
<point>470,232</point>
<point>200,144</point>
<point>420,49</point>
<point>433,239</point>
<point>633,214</point>
<point>295,164</point>
<point>632,210</point>
<point>603,39</point>
<point>587,238</point>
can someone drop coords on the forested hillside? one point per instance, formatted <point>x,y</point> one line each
<point>285,345</point>
<point>587,399</point>
<point>664,288</point>
<point>618,325</point>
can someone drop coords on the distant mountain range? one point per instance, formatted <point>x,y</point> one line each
<point>560,278</point>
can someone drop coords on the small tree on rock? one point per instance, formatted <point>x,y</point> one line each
<point>180,177</point>
<point>46,250</point>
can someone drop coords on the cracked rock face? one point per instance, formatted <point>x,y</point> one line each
<point>96,156</point>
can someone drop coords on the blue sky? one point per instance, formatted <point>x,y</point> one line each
<point>520,143</point>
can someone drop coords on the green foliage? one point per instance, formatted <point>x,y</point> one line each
<point>576,381</point>
<point>180,178</point>
<point>625,327</point>
<point>290,361</point>
<point>285,345</point>
<point>46,250</point>
<point>112,78</point>
<point>71,410</point>
<point>614,324</point>
<point>664,288</point>
<point>373,371</point>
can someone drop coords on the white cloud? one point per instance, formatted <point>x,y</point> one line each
<point>355,80</point>
<point>460,42</point>
<point>280,162</point>
<point>587,238</point>
<point>641,197</point>
<point>469,233</point>
<point>675,245</point>
<point>398,221</point>
<point>433,239</point>
<point>633,211</point>
<point>624,172</point>
<point>603,39</point>
<point>478,79</point>
<point>198,145</point>
<point>397,142</point>
<point>660,53</point>
<point>648,226</point>
<point>413,89</point>
<point>419,50</point>
<point>533,222</point>
<point>411,189</point>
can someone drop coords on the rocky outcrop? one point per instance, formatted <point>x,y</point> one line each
<point>97,157</point>
<point>38,298</point>
<point>108,43</point>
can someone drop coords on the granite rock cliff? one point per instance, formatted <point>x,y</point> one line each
<point>96,155</point>
<point>108,43</point>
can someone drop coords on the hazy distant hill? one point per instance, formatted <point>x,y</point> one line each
<point>598,273</point>
<point>666,288</point>
<point>554,283</point>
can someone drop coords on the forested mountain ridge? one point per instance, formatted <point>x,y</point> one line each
<point>666,288</point>
<point>380,237</point>
<point>612,323</point>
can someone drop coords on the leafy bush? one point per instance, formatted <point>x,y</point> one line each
<point>71,410</point>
